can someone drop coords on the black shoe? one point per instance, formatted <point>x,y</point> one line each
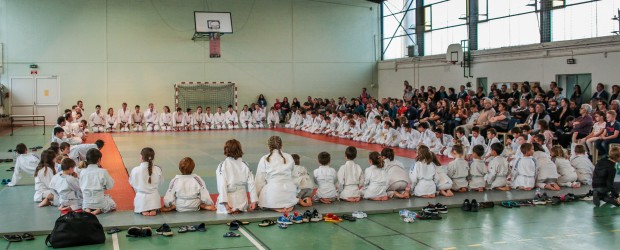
<point>466,205</point>
<point>475,207</point>
<point>164,230</point>
<point>596,199</point>
<point>430,209</point>
<point>556,200</point>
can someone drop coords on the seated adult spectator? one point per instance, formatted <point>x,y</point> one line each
<point>601,93</point>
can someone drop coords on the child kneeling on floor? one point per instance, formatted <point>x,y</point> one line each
<point>43,192</point>
<point>375,179</point>
<point>523,175</point>
<point>145,180</point>
<point>326,179</point>
<point>350,177</point>
<point>305,185</point>
<point>67,186</point>
<point>187,191</point>
<point>499,168</point>
<point>233,176</point>
<point>94,180</point>
<point>422,175</point>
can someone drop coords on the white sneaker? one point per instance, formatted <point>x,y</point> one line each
<point>359,215</point>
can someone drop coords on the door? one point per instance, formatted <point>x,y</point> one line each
<point>481,82</point>
<point>47,97</point>
<point>35,95</point>
<point>568,82</point>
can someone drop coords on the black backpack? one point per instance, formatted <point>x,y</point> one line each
<point>76,229</point>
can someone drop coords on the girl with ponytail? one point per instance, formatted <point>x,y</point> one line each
<point>375,179</point>
<point>43,193</point>
<point>145,180</point>
<point>274,181</point>
<point>423,175</point>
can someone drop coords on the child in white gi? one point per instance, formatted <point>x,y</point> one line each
<point>245,118</point>
<point>327,180</point>
<point>235,181</point>
<point>422,175</point>
<point>93,181</point>
<point>304,183</point>
<point>546,171</point>
<point>492,136</point>
<point>145,180</point>
<point>152,118</point>
<point>165,120</point>
<point>110,121</point>
<point>178,120</point>
<point>460,136</point>
<point>198,119</point>
<point>582,164</point>
<point>43,192</point>
<point>219,119</point>
<point>67,186</point>
<point>350,177</point>
<point>398,183</point>
<point>477,169</point>
<point>273,118</point>
<point>375,179</point>
<point>209,120</point>
<point>232,120</point>
<point>458,169</point>
<point>25,163</point>
<point>444,143</point>
<point>476,139</point>
<point>137,118</point>
<point>496,177</point>
<point>523,174</point>
<point>568,174</point>
<point>97,120</point>
<point>187,191</point>
<point>443,182</point>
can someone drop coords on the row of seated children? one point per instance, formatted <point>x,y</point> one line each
<point>125,120</point>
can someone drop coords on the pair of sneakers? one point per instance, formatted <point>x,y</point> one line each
<point>435,209</point>
<point>139,232</point>
<point>472,206</point>
<point>359,215</point>
<point>541,199</point>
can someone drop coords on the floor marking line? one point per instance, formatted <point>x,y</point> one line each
<point>499,242</point>
<point>254,242</point>
<point>449,248</point>
<point>357,235</point>
<point>474,245</point>
<point>524,240</point>
<point>614,230</point>
<point>429,246</point>
<point>115,241</point>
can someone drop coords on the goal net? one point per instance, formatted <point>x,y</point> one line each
<point>205,94</point>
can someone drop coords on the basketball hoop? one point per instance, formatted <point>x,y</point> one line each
<point>454,53</point>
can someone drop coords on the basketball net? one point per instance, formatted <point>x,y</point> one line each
<point>214,45</point>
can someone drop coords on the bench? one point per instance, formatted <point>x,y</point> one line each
<point>27,118</point>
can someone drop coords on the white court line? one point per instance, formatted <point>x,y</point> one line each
<point>254,242</point>
<point>115,241</point>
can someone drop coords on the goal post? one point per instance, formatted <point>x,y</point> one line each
<point>205,94</point>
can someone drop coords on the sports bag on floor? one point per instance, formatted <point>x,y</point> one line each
<point>76,229</point>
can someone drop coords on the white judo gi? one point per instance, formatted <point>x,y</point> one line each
<point>97,122</point>
<point>93,182</point>
<point>523,174</point>
<point>147,194</point>
<point>477,170</point>
<point>422,177</point>
<point>24,164</point>
<point>42,187</point>
<point>232,120</point>
<point>375,182</point>
<point>138,121</point>
<point>498,172</point>
<point>546,170</point>
<point>165,121</point>
<point>219,121</point>
<point>327,181</point>
<point>274,181</point>
<point>186,193</point>
<point>124,119</point>
<point>568,174</point>
<point>442,180</point>
<point>458,170</point>
<point>351,179</point>
<point>397,176</point>
<point>304,183</point>
<point>234,182</point>
<point>152,120</point>
<point>68,189</point>
<point>584,168</point>
<point>246,120</point>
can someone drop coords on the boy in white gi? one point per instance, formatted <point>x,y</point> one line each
<point>258,115</point>
<point>293,119</point>
<point>496,177</point>
<point>124,117</point>
<point>152,118</point>
<point>94,180</point>
<point>232,120</point>
<point>178,120</point>
<point>233,176</point>
<point>523,174</point>
<point>273,118</point>
<point>137,117</point>
<point>427,137</point>
<point>187,191</point>
<point>188,116</point>
<point>476,139</point>
<point>350,177</point>
<point>546,171</point>
<point>67,186</point>
<point>97,120</point>
<point>78,152</point>
<point>458,169</point>
<point>477,169</point>
<point>582,164</point>
<point>304,183</point>
<point>145,180</point>
<point>444,143</point>
<point>198,119</point>
<point>372,130</point>
<point>219,119</point>
<point>492,137</point>
<point>326,179</point>
<point>245,118</point>
<point>398,183</point>
<point>209,119</point>
<point>25,163</point>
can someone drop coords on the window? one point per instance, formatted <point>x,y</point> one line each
<point>508,23</point>
<point>447,25</point>
<point>397,37</point>
<point>580,19</point>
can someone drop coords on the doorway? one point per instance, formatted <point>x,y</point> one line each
<point>35,95</point>
<point>568,82</point>
<point>481,82</point>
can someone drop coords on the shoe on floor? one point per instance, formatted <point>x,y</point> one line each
<point>284,220</point>
<point>316,216</point>
<point>475,207</point>
<point>466,205</point>
<point>307,216</point>
<point>430,209</point>
<point>359,215</point>
<point>165,230</point>
<point>441,208</point>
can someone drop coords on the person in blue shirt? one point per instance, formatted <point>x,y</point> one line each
<point>612,130</point>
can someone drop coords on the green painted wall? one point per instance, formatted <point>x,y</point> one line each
<point>109,51</point>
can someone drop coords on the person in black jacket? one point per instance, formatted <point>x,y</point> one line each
<point>603,179</point>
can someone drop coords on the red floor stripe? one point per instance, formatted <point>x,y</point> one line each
<point>122,192</point>
<point>408,153</point>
